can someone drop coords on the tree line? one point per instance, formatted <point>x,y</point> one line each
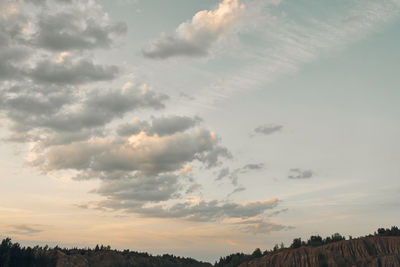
<point>13,255</point>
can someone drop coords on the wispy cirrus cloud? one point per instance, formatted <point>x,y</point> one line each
<point>292,43</point>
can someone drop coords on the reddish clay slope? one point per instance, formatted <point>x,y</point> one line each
<point>368,251</point>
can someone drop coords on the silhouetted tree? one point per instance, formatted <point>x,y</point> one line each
<point>296,243</point>
<point>257,253</point>
<point>314,241</point>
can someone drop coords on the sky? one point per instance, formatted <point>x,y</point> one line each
<point>198,128</point>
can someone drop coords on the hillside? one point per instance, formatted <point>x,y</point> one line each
<point>367,251</point>
<point>380,249</point>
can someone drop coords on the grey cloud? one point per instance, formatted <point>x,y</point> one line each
<point>100,108</point>
<point>277,212</point>
<point>26,107</point>
<point>237,190</point>
<point>36,2</point>
<point>202,211</point>
<point>149,155</point>
<point>22,106</point>
<point>300,174</point>
<point>10,59</point>
<point>62,138</point>
<point>170,45</point>
<point>72,73</point>
<point>132,128</point>
<point>264,227</point>
<point>234,175</point>
<point>141,188</point>
<point>211,158</point>
<point>81,26</point>
<point>268,129</point>
<point>76,30</point>
<point>260,225</point>
<point>161,126</point>
<point>54,113</point>
<point>170,125</point>
<point>136,170</point>
<point>253,166</point>
<point>23,229</point>
<point>194,188</point>
<point>12,53</point>
<point>223,173</point>
<point>43,2</point>
<point>38,95</point>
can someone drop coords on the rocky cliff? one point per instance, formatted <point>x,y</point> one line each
<point>379,251</point>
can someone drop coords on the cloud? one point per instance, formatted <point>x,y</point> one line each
<point>150,155</point>
<point>170,125</point>
<point>161,126</point>
<point>187,168</point>
<point>300,174</point>
<point>23,229</point>
<point>141,188</point>
<point>234,175</point>
<point>68,72</point>
<point>136,169</point>
<point>268,129</point>
<point>264,227</point>
<point>50,98</point>
<point>202,211</point>
<point>39,95</point>
<point>211,159</point>
<point>274,213</point>
<point>261,224</point>
<point>223,173</point>
<point>56,113</point>
<point>81,26</point>
<point>237,190</point>
<point>133,127</point>
<point>141,169</point>
<point>253,166</point>
<point>99,108</point>
<point>44,2</point>
<point>196,37</point>
<point>12,53</point>
<point>194,188</point>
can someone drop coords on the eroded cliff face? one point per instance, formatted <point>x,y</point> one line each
<point>368,251</point>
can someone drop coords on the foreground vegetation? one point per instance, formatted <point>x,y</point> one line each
<point>13,255</point>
